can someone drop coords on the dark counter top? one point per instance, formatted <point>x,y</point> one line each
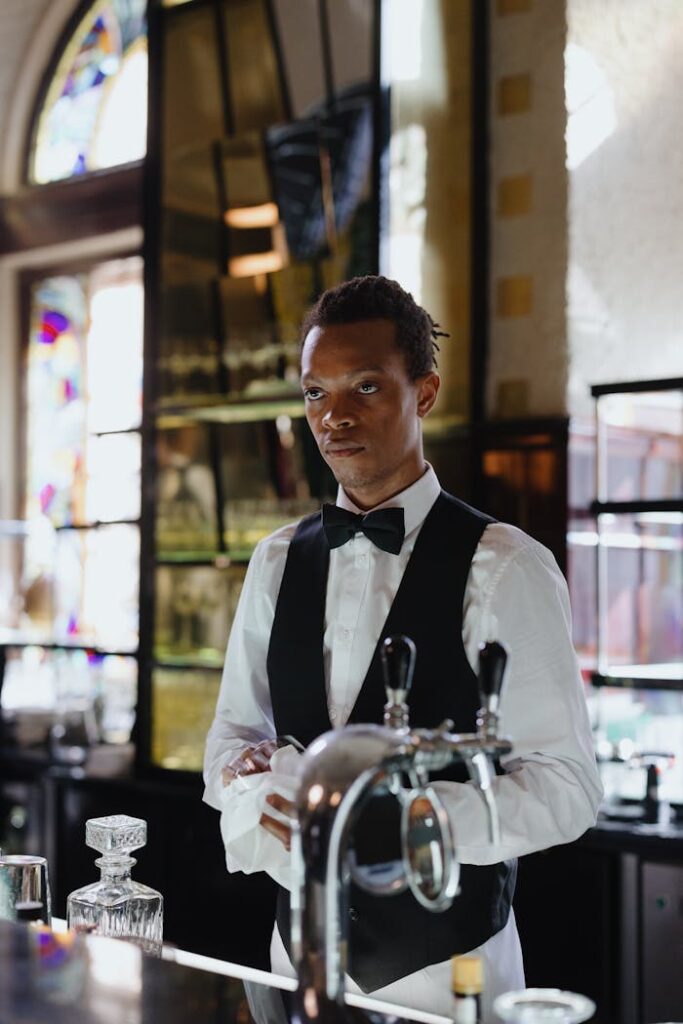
<point>659,841</point>
<point>63,978</point>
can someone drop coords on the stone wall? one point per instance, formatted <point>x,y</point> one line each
<point>625,293</point>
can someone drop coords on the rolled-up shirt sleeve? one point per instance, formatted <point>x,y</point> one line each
<point>551,790</point>
<point>243,710</point>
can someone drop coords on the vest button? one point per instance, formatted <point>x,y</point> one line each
<point>353,914</point>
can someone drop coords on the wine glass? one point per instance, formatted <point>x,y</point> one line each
<point>543,1006</point>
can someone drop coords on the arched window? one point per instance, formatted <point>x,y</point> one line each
<point>71,266</point>
<point>91,117</point>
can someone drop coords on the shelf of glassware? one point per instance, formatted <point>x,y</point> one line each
<point>196,594</point>
<point>175,411</point>
<point>628,563</point>
<point>69,627</point>
<point>70,587</point>
<point>639,568</point>
<point>639,444</point>
<point>640,594</point>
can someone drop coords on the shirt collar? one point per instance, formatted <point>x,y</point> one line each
<point>416,500</point>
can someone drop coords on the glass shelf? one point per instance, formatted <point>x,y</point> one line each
<point>214,409</point>
<point>665,676</point>
<point>97,524</point>
<point>660,511</point>
<point>35,638</point>
<point>215,559</point>
<point>211,660</point>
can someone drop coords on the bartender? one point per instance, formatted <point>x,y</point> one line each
<point>320,595</point>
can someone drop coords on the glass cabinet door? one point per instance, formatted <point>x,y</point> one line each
<point>638,578</point>
<point>639,540</point>
<point>268,195</point>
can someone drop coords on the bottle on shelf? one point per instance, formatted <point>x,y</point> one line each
<point>117,906</point>
<point>467,978</point>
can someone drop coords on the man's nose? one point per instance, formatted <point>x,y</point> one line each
<point>338,414</point>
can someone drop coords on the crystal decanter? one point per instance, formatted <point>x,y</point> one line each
<point>116,906</point>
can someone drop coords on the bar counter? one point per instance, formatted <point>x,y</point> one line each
<point>62,978</point>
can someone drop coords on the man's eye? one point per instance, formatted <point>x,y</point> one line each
<point>313,394</point>
<point>367,388</point>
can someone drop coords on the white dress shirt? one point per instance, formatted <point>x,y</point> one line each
<point>516,594</point>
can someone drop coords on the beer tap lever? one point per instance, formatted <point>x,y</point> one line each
<point>398,666</point>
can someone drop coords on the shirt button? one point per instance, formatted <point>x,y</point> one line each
<point>346,634</point>
<point>362,559</point>
<point>333,716</point>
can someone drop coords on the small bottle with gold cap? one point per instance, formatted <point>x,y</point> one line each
<point>467,976</point>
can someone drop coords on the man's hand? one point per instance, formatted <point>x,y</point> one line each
<point>250,761</point>
<point>276,827</point>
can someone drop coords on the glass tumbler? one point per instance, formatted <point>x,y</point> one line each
<point>25,889</point>
<point>543,1006</point>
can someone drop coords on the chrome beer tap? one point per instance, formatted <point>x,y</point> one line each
<point>342,769</point>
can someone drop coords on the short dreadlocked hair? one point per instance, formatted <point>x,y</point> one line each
<point>379,298</point>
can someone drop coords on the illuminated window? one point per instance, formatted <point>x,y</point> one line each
<point>95,112</point>
<point>84,387</point>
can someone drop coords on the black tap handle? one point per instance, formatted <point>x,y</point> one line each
<point>493,658</point>
<point>398,664</point>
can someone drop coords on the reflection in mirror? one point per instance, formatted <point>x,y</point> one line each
<point>385,879</point>
<point>268,193</point>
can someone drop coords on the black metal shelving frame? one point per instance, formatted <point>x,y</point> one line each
<point>613,677</point>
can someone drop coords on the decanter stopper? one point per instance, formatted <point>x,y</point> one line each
<point>116,834</point>
<point>398,665</point>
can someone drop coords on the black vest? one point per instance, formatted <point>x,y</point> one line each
<point>391,937</point>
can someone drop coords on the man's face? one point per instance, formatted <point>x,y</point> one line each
<point>363,408</point>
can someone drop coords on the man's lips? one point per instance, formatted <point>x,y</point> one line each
<point>342,449</point>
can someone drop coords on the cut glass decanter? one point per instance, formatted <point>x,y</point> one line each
<point>117,906</point>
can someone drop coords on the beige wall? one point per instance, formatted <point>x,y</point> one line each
<point>625,217</point>
<point>586,262</point>
<point>428,250</point>
<point>527,371</point>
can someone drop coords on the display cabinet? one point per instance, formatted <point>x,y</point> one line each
<point>626,568</point>
<point>262,191</point>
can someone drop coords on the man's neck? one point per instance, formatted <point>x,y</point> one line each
<point>367,500</point>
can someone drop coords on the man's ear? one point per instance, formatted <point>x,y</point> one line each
<point>427,390</point>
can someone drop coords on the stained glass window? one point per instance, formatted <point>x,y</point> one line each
<point>95,111</point>
<point>56,401</point>
<point>84,383</point>
<point>84,379</point>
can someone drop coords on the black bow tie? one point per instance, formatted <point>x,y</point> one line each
<point>385,527</point>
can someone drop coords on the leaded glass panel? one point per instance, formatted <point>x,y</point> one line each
<point>95,110</point>
<point>114,355</point>
<point>77,582</point>
<point>56,400</point>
